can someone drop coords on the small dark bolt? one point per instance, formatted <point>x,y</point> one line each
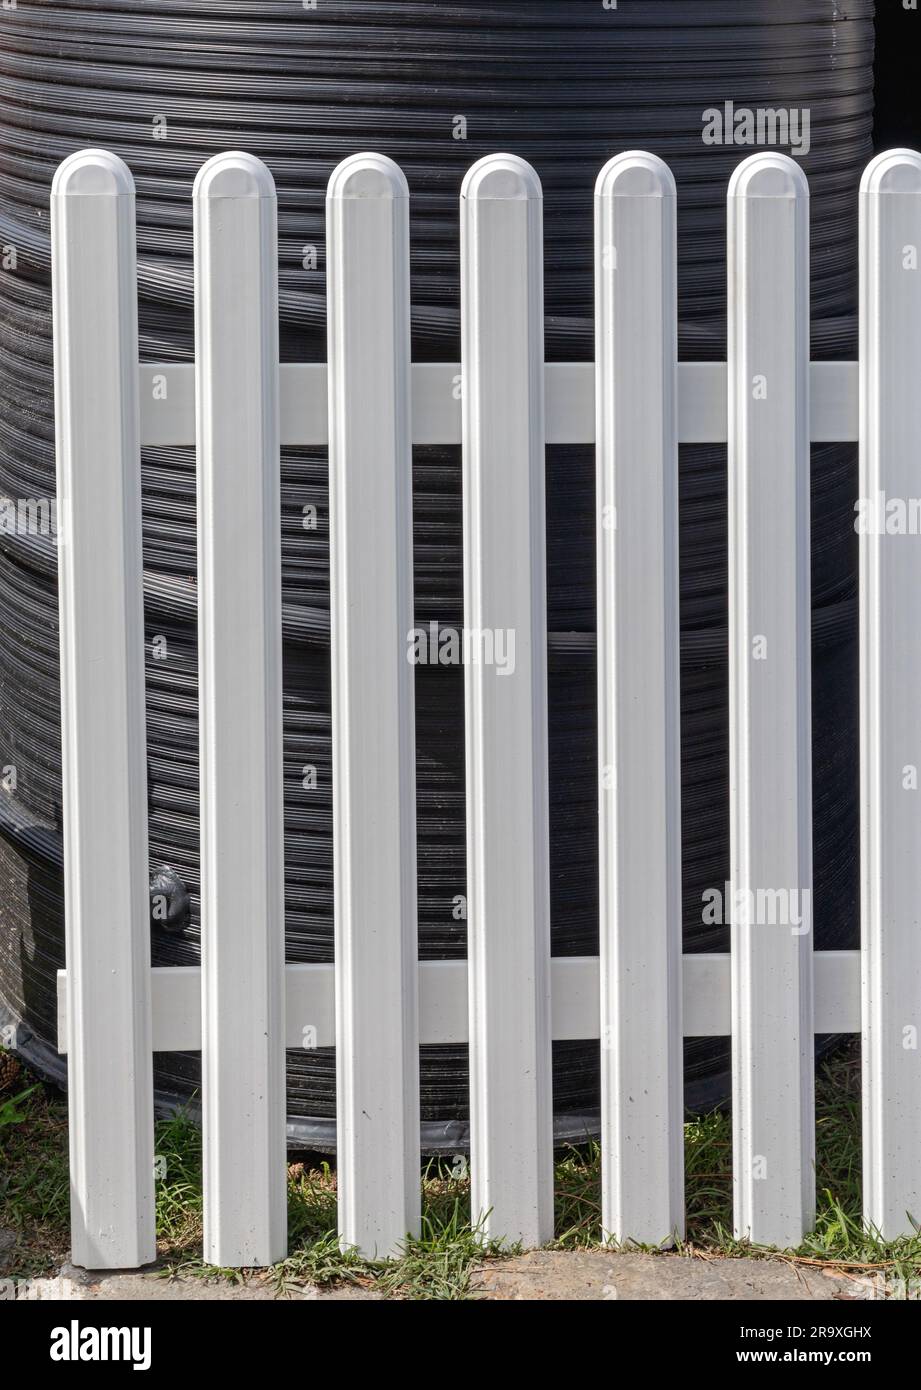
<point>170,904</point>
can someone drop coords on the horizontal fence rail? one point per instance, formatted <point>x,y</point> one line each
<point>167,394</point>
<point>772,993</point>
<point>575,1011</point>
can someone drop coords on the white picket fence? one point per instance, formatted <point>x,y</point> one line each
<point>370,405</point>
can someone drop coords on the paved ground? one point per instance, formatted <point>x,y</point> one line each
<point>597,1274</point>
<point>540,1274</point>
<point>73,1283</point>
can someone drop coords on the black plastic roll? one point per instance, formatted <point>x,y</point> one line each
<point>566,84</point>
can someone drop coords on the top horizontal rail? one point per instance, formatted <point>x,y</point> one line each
<point>167,392</point>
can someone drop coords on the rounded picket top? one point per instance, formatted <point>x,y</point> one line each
<point>893,171</point>
<point>367,175</point>
<point>233,175</point>
<point>635,174</point>
<point>92,173</point>
<point>768,174</point>
<point>501,178</point>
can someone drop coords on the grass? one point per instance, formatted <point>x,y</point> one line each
<point>34,1204</point>
<point>34,1185</point>
<point>437,1265</point>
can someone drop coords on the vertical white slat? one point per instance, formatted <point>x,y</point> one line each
<point>103,727</point>
<point>890,679</point>
<point>769,701</point>
<point>240,711</point>
<point>508,894</point>
<point>636,374</point>
<point>374,791</point>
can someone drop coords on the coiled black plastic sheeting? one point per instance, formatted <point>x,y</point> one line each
<point>565,83</point>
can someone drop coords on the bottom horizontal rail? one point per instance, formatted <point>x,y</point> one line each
<point>310,1017</point>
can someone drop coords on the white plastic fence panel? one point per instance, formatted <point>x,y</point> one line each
<point>100,568</point>
<point>635,403</point>
<point>636,395</point>
<point>508,881</point>
<point>371,599</point>
<point>240,712</point>
<point>769,701</point>
<point>890,682</point>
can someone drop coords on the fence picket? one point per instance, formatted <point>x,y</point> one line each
<point>100,574</point>
<point>642,1099</point>
<point>371,599</point>
<point>890,677</point>
<point>769,692</point>
<point>240,712</point>
<point>508,885</point>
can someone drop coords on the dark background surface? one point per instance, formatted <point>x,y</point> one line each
<point>898,75</point>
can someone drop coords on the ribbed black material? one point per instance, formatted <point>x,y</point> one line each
<point>566,84</point>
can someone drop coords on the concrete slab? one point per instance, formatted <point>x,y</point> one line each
<point>77,1285</point>
<point>552,1275</point>
<point>599,1274</point>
